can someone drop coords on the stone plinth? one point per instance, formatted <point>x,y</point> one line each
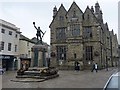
<point>39,56</point>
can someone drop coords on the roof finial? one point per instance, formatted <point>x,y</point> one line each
<point>97,4</point>
<point>92,9</point>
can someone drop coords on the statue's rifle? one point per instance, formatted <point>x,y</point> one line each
<point>43,34</point>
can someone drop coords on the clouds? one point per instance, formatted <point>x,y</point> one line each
<point>22,13</point>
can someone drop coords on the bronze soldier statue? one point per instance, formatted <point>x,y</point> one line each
<point>39,33</point>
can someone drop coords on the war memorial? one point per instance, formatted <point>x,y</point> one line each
<point>39,69</point>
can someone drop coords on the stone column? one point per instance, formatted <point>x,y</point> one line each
<point>38,55</point>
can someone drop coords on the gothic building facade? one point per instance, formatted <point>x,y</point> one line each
<point>80,36</point>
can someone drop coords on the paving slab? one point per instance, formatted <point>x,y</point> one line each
<point>66,79</point>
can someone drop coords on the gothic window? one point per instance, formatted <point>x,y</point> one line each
<point>75,30</point>
<point>74,13</point>
<point>60,33</point>
<point>75,56</point>
<point>87,32</point>
<point>61,53</point>
<point>88,16</point>
<point>89,52</point>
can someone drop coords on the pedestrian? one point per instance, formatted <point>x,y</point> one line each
<point>77,66</point>
<point>93,67</point>
<point>106,66</point>
<point>96,67</point>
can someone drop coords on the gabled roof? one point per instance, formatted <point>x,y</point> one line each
<point>61,7</point>
<point>72,6</point>
<point>22,37</point>
<point>90,12</point>
<point>106,26</point>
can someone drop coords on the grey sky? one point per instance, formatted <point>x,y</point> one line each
<point>23,12</point>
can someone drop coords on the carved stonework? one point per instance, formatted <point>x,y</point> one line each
<point>96,53</point>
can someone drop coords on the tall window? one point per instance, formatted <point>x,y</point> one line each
<point>74,13</point>
<point>29,53</point>
<point>10,32</point>
<point>15,48</point>
<point>16,35</point>
<point>75,30</point>
<point>60,33</point>
<point>2,30</point>
<point>89,52</point>
<point>28,44</point>
<point>87,32</point>
<point>9,46</point>
<point>61,53</point>
<point>2,45</point>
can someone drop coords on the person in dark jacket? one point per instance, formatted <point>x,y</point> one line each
<point>94,67</point>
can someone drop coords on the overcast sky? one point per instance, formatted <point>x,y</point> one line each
<point>23,13</point>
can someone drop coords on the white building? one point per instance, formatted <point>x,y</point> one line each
<point>9,45</point>
<point>15,48</point>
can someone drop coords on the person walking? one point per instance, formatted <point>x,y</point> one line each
<point>94,67</point>
<point>78,66</point>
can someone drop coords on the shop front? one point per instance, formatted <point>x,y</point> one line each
<point>7,62</point>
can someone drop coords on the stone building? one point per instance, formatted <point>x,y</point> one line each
<point>80,36</point>
<point>119,52</point>
<point>114,49</point>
